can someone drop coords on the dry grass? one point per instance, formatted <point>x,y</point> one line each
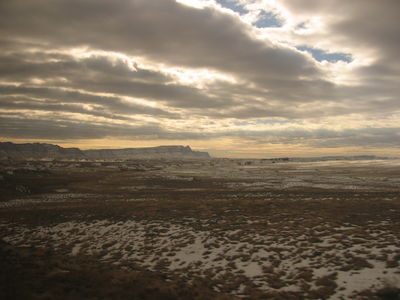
<point>271,228</point>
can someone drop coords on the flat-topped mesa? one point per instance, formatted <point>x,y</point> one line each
<point>168,152</point>
<point>34,151</point>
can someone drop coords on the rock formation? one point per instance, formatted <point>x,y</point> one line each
<point>146,153</point>
<point>48,151</point>
<point>38,151</point>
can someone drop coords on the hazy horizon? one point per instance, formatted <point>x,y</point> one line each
<point>235,78</point>
<point>216,154</point>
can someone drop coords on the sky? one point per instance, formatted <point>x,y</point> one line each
<point>236,78</point>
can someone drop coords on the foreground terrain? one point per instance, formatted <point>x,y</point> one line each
<point>220,229</point>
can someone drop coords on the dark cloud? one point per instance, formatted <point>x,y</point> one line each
<point>61,129</point>
<point>162,30</point>
<point>22,103</point>
<point>58,96</point>
<point>102,74</point>
<point>19,126</point>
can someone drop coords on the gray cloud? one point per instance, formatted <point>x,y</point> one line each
<point>19,126</point>
<point>372,24</point>
<point>373,137</point>
<point>38,73</point>
<point>162,30</point>
<point>365,25</point>
<point>15,127</point>
<point>23,103</point>
<point>103,75</point>
<point>149,28</point>
<point>54,96</point>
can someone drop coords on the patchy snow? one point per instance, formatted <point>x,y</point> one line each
<point>360,263</point>
<point>47,198</point>
<point>359,280</point>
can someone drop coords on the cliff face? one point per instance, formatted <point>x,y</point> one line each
<point>49,151</point>
<point>146,153</point>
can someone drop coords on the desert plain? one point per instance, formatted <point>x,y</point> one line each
<point>200,229</point>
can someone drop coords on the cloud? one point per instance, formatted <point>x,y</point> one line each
<point>26,104</point>
<point>98,68</point>
<point>13,126</point>
<point>368,28</point>
<point>16,127</point>
<point>102,74</point>
<point>322,138</point>
<point>53,96</point>
<point>56,127</point>
<point>161,30</point>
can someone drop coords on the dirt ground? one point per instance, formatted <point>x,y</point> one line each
<point>200,230</point>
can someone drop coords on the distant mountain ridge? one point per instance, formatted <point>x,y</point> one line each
<point>38,151</point>
<point>10,150</point>
<point>149,152</point>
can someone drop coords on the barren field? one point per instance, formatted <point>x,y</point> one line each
<point>218,229</point>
